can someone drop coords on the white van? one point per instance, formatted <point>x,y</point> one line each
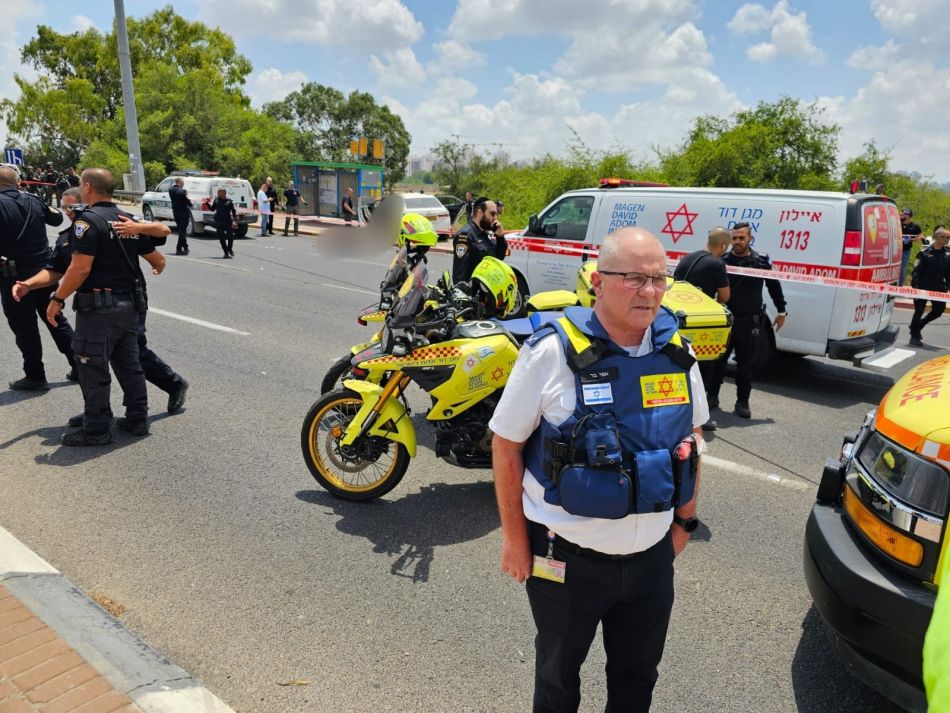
<point>202,188</point>
<point>850,236</point>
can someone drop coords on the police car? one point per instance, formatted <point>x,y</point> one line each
<point>202,187</point>
<point>875,538</point>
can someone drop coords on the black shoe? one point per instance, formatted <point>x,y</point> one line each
<point>81,438</point>
<point>180,252</point>
<point>71,375</point>
<point>227,256</point>
<point>76,421</point>
<point>285,233</point>
<point>231,252</point>
<point>710,425</point>
<point>915,341</point>
<point>187,251</point>
<point>27,384</point>
<point>712,402</point>
<point>136,428</point>
<point>742,409</point>
<point>176,399</point>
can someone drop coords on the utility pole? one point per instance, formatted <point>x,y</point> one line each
<point>128,99</point>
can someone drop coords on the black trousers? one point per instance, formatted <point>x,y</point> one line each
<point>918,322</point>
<point>632,598</point>
<point>181,223</point>
<point>22,317</point>
<point>155,369</point>
<point>744,340</point>
<point>109,336</point>
<point>225,236</point>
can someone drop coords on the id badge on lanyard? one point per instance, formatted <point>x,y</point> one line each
<point>547,567</point>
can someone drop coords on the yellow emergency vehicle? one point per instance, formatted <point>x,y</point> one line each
<point>875,538</point>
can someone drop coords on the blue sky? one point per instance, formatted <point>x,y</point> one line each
<point>631,73</point>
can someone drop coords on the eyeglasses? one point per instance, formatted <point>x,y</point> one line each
<point>637,280</point>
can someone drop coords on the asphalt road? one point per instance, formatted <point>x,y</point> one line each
<point>231,559</point>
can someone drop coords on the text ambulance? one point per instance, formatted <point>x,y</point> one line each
<point>841,235</point>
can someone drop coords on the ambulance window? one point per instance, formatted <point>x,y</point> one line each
<point>568,219</point>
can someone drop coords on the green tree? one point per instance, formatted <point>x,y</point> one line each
<point>784,144</point>
<point>870,166</point>
<point>326,120</point>
<point>451,169</point>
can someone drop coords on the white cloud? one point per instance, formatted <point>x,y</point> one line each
<point>383,24</point>
<point>790,34</point>
<point>875,57</point>
<point>923,20</point>
<point>81,23</point>
<point>529,17</point>
<point>16,16</point>
<point>453,57</point>
<point>272,84</point>
<point>401,68</point>
<point>456,87</point>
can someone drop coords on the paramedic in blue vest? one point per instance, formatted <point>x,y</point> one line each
<point>595,542</point>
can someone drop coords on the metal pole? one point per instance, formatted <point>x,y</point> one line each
<point>128,99</point>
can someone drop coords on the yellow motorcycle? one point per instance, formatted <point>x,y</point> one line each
<point>358,440</point>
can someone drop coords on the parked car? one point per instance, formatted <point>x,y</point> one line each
<point>453,204</point>
<point>422,203</point>
<point>874,539</point>
<point>202,189</point>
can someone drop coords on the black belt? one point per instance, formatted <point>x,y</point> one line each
<point>583,551</point>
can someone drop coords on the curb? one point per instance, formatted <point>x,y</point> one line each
<point>143,674</point>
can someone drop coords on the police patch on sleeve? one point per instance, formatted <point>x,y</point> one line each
<point>461,249</point>
<point>79,228</point>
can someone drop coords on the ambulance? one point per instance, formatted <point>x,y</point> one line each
<point>877,535</point>
<point>850,236</point>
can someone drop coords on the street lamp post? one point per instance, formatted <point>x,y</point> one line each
<point>128,98</point>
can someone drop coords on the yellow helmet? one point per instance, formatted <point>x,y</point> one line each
<point>416,229</point>
<point>495,287</point>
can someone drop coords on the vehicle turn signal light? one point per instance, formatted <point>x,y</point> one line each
<point>889,540</point>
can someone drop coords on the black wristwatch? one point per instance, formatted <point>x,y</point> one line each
<point>687,523</point>
<point>55,298</point>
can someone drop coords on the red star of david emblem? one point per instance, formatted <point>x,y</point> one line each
<point>665,386</point>
<point>497,373</point>
<point>687,229</point>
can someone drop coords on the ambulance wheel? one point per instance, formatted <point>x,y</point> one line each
<point>195,228</point>
<point>241,231</point>
<point>147,213</point>
<point>359,472</point>
<point>336,374</point>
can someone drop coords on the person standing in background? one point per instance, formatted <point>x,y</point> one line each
<point>263,205</point>
<point>910,232</point>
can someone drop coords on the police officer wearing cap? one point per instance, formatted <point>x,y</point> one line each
<point>748,311</point>
<point>24,251</point>
<point>181,212</point>
<point>483,236</point>
<point>910,232</point>
<point>109,296</point>
<point>156,370</point>
<point>596,461</point>
<point>932,273</point>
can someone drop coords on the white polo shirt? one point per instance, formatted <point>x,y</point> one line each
<point>542,385</point>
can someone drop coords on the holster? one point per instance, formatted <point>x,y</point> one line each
<point>97,299</point>
<point>7,268</point>
<point>140,299</point>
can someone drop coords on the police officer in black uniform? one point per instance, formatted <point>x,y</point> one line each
<point>104,275</point>
<point>225,216</point>
<point>156,370</point>
<point>481,237</point>
<point>24,251</point>
<point>931,272</point>
<point>748,310</point>
<point>181,212</point>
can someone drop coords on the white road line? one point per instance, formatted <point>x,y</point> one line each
<point>728,465</point>
<point>213,264</point>
<point>365,262</point>
<point>199,322</point>
<point>348,289</point>
<point>17,557</point>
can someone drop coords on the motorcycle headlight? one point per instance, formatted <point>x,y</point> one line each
<point>919,482</point>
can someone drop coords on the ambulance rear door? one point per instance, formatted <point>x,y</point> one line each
<point>550,254</point>
<point>871,254</point>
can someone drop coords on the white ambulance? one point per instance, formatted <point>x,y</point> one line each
<point>202,187</point>
<point>848,236</point>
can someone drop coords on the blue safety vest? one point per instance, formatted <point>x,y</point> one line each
<point>618,452</point>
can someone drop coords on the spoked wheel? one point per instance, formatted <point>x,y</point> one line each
<point>336,374</point>
<point>363,471</point>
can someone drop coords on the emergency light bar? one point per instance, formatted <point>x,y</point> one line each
<point>614,182</point>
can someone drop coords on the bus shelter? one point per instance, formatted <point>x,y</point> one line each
<point>323,185</point>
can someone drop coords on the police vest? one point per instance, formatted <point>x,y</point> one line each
<point>622,450</point>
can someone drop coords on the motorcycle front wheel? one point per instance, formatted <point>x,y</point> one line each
<point>359,472</point>
<point>337,373</point>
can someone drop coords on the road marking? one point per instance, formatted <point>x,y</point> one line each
<point>365,262</point>
<point>213,264</point>
<point>348,289</point>
<point>199,322</point>
<point>739,469</point>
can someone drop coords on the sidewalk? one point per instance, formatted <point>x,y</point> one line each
<point>61,653</point>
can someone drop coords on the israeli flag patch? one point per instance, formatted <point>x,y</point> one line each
<point>597,394</point>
